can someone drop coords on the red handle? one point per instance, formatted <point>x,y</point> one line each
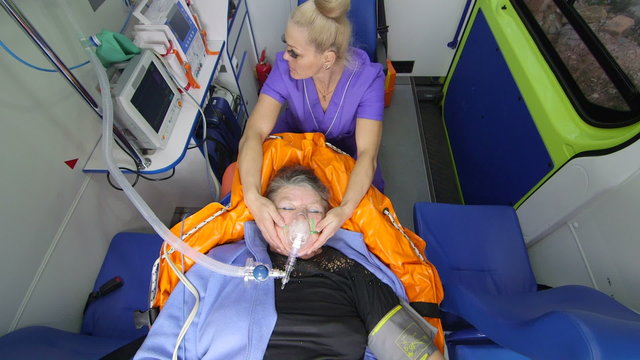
<point>263,55</point>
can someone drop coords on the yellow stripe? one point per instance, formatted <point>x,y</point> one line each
<point>385,319</point>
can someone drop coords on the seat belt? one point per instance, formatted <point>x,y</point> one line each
<point>107,288</point>
<point>126,351</point>
<point>426,309</point>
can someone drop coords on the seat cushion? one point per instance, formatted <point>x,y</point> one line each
<point>567,322</point>
<point>483,263</point>
<point>478,246</point>
<point>131,257</point>
<point>484,352</point>
<point>41,342</point>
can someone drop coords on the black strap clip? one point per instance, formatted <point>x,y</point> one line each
<point>106,288</point>
<point>145,318</point>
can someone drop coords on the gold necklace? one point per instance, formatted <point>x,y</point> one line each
<point>326,93</point>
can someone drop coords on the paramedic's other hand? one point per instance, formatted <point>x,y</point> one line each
<point>327,227</point>
<point>267,218</point>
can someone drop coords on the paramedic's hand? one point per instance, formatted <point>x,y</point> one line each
<point>267,218</point>
<point>327,228</point>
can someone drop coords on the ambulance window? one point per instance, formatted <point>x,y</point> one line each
<point>593,47</point>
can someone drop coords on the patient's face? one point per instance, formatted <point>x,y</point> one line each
<point>292,200</point>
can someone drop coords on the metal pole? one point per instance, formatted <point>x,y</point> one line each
<point>19,17</point>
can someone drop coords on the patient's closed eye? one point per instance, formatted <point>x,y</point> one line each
<point>314,211</point>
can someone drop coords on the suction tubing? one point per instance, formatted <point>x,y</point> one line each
<point>136,199</point>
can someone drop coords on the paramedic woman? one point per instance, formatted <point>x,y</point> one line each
<point>324,86</point>
<point>338,304</point>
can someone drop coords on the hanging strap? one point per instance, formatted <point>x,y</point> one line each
<point>383,28</point>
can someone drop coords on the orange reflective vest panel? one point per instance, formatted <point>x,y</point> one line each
<point>399,248</point>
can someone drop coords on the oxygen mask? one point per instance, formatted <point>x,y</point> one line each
<point>297,233</point>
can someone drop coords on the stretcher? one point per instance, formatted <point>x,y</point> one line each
<point>108,321</point>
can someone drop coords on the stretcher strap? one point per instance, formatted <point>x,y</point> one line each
<point>426,309</point>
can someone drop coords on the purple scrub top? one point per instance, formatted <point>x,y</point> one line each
<point>359,94</point>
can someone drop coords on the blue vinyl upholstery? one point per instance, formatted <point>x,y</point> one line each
<point>498,151</point>
<point>130,256</point>
<point>42,342</point>
<point>108,322</point>
<point>484,266</point>
<point>364,26</point>
<point>485,352</point>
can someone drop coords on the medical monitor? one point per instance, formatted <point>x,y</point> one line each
<point>175,17</point>
<point>182,26</point>
<point>146,102</point>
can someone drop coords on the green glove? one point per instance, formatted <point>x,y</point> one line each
<point>114,47</point>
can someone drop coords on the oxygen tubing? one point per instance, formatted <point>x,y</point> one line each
<point>136,199</point>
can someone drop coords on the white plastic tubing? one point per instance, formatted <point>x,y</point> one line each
<point>136,199</point>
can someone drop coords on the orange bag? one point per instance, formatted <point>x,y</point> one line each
<point>397,247</point>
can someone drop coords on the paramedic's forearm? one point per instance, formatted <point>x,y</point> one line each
<point>259,126</point>
<point>368,136</point>
<point>250,165</point>
<point>359,182</point>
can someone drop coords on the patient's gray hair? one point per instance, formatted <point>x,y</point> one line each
<point>297,175</point>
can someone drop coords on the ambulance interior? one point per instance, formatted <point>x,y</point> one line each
<point>522,181</point>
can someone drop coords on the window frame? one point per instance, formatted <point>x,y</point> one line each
<point>593,114</point>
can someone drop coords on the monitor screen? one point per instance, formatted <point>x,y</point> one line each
<point>153,97</point>
<point>146,101</point>
<point>178,23</point>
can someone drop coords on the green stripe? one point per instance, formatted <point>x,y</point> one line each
<point>385,319</point>
<point>561,128</point>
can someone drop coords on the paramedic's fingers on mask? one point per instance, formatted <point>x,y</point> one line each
<point>278,242</point>
<point>306,251</point>
<point>283,245</point>
<point>267,218</point>
<point>327,227</point>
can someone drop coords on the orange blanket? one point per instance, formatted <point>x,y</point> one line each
<point>397,247</point>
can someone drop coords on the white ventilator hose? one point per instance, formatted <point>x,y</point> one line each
<point>136,199</point>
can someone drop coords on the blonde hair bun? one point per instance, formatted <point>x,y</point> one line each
<point>334,9</point>
<point>327,25</point>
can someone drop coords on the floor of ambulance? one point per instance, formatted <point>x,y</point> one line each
<point>414,155</point>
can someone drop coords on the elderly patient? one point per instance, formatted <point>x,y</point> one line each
<point>341,303</point>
